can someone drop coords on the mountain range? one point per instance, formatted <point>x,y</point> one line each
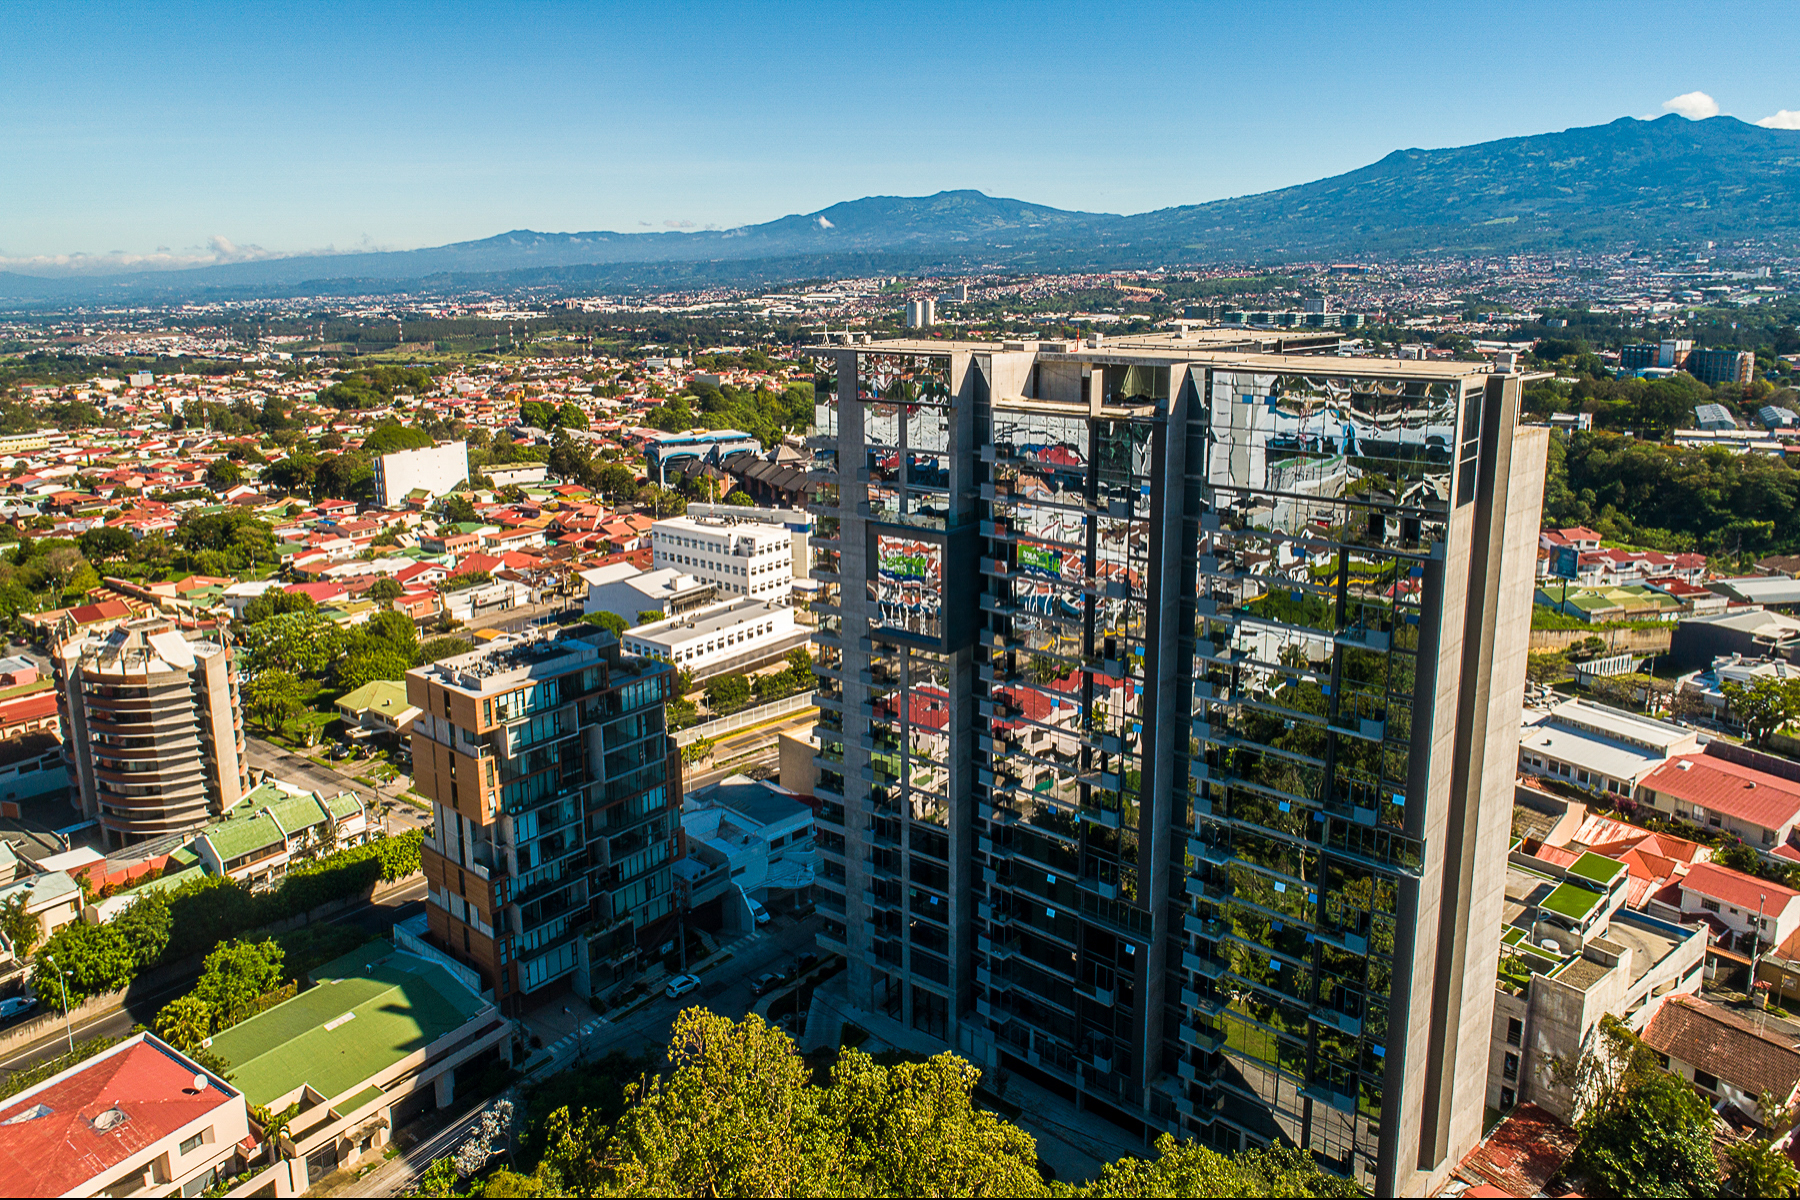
<point>1670,180</point>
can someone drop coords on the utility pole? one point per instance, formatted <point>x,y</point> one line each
<point>62,977</point>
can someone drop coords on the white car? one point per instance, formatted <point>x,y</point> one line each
<point>16,1006</point>
<point>681,985</point>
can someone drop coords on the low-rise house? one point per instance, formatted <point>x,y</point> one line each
<point>1713,793</point>
<point>1746,914</point>
<point>1600,603</point>
<point>1748,633</point>
<point>379,707</point>
<point>1599,749</point>
<point>139,1118</point>
<point>273,825</point>
<point>53,897</point>
<point>1733,1063</point>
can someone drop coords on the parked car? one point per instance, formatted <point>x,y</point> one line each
<point>681,985</point>
<point>16,1006</point>
<point>759,912</point>
<point>767,982</point>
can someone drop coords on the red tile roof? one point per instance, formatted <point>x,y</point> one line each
<point>60,1150</point>
<point>1738,889</point>
<point>1725,787</point>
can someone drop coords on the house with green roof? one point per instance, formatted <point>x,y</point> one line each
<point>379,707</point>
<point>272,825</point>
<point>376,1041</point>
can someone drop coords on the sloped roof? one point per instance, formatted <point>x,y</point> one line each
<point>60,1149</point>
<point>1721,1043</point>
<point>1725,787</point>
<point>1738,889</point>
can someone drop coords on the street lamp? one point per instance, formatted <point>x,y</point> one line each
<point>62,977</point>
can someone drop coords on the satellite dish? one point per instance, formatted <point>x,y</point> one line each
<point>199,1083</point>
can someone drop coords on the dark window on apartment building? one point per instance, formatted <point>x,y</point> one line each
<point>1508,1098</point>
<point>1703,1079</point>
<point>1515,1031</point>
<point>1511,1067</point>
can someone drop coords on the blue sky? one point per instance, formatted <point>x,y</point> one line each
<point>168,133</point>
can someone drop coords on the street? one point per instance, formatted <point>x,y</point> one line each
<point>377,919</point>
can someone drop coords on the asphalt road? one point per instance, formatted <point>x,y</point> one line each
<point>376,919</point>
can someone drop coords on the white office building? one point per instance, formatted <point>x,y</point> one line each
<point>433,472</point>
<point>729,636</point>
<point>749,559</point>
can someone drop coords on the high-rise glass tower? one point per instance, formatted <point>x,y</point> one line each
<point>1169,707</point>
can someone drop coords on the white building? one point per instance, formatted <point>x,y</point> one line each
<point>623,590</point>
<point>746,837</point>
<point>1597,748</point>
<point>517,473</point>
<point>728,636</point>
<point>434,471</point>
<point>742,559</point>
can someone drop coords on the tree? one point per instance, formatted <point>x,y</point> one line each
<point>95,958</point>
<point>727,691</point>
<point>275,1126</point>
<point>274,602</point>
<point>1546,666</point>
<point>1763,705</point>
<point>104,542</point>
<point>571,417</point>
<point>184,1022</point>
<point>386,590</point>
<point>1756,1168</point>
<point>21,928</point>
<point>661,501</point>
<point>443,647</point>
<point>306,643</point>
<point>1188,1169</point>
<point>369,663</point>
<point>393,631</point>
<point>460,510</point>
<point>612,622</point>
<point>274,698</point>
<point>739,497</point>
<point>393,436</point>
<point>616,482</point>
<point>236,975</point>
<point>223,473</point>
<point>146,927</point>
<point>1655,1138</point>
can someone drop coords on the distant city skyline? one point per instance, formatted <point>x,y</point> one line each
<point>163,136</point>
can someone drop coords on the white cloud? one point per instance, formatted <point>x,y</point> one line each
<point>1785,119</point>
<point>824,224</point>
<point>217,250</point>
<point>1695,106</point>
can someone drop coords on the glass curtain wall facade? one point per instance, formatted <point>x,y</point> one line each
<point>1160,737</point>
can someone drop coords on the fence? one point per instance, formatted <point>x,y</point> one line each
<point>745,718</point>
